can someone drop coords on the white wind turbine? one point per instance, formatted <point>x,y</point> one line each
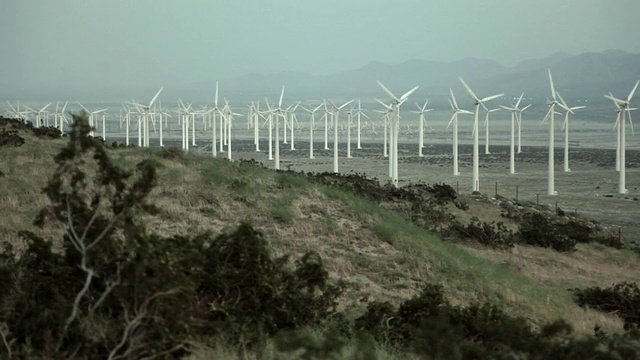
<point>550,117</point>
<point>421,124</point>
<point>519,122</point>
<point>185,115</point>
<point>40,122</point>
<point>214,113</point>
<point>326,126</point>
<point>476,160</point>
<point>454,120</point>
<point>144,110</point>
<point>486,129</point>
<point>228,115</point>
<point>616,127</point>
<point>335,113</point>
<point>349,118</point>
<point>624,107</point>
<point>60,117</point>
<point>565,127</point>
<point>293,120</point>
<point>395,123</point>
<point>358,114</point>
<point>92,117</point>
<point>278,112</point>
<point>312,124</point>
<point>385,124</point>
<point>514,113</point>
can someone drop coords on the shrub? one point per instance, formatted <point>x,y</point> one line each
<point>538,230</point>
<point>622,299</point>
<point>494,235</point>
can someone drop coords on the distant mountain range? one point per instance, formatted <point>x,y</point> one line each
<point>583,76</point>
<point>586,76</point>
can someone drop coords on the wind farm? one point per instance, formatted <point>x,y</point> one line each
<point>326,179</point>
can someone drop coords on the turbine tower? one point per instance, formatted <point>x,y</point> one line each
<point>476,160</point>
<point>486,129</point>
<point>514,113</point>
<point>624,107</point>
<point>335,112</point>
<point>395,123</point>
<point>550,117</point>
<point>454,121</point>
<point>565,127</point>
<point>421,110</point>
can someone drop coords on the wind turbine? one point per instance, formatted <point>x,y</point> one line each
<point>358,114</point>
<point>565,127</point>
<point>293,119</point>
<point>40,122</point>
<point>185,114</point>
<point>92,114</point>
<point>514,113</point>
<point>550,117</point>
<point>421,123</point>
<point>395,122</point>
<point>335,112</point>
<point>60,118</point>
<point>228,115</point>
<point>312,124</point>
<point>385,124</point>
<point>519,121</point>
<point>486,129</point>
<point>454,120</point>
<point>476,160</point>
<point>624,107</point>
<point>144,110</point>
<point>278,112</point>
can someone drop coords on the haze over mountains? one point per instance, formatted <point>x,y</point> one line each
<point>585,76</point>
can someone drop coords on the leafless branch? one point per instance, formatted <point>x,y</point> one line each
<point>110,287</point>
<point>134,323</point>
<point>6,344</point>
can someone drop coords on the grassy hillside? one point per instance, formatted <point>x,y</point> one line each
<point>380,253</point>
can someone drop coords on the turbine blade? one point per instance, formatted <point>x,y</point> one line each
<point>281,96</point>
<point>473,95</point>
<point>553,89</point>
<point>519,100</point>
<point>633,91</point>
<point>406,95</point>
<point>488,98</point>
<point>155,97</point>
<point>216,98</point>
<point>453,98</point>
<point>451,121</point>
<point>563,104</point>
<point>383,104</point>
<point>630,122</point>
<point>388,91</point>
<point>83,108</point>
<point>345,104</point>
<point>526,107</point>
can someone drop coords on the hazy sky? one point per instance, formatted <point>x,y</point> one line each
<point>163,42</point>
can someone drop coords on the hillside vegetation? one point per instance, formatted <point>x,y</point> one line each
<point>349,249</point>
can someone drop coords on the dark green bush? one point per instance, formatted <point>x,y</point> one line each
<point>538,230</point>
<point>622,299</point>
<point>494,235</point>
